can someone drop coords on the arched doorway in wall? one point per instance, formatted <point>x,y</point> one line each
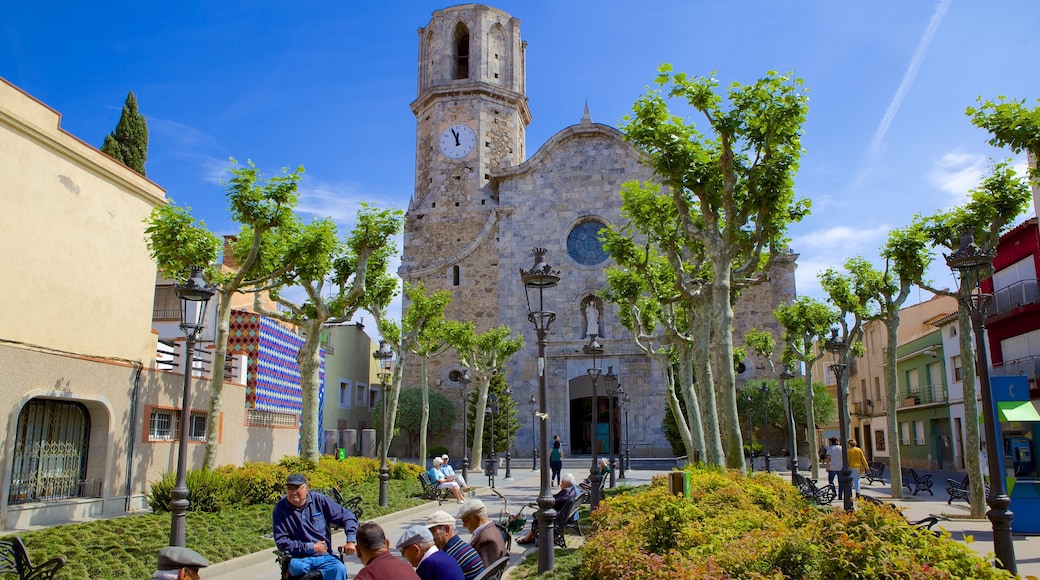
<point>50,451</point>
<point>580,418</point>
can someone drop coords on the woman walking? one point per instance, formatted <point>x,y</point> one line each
<point>857,463</point>
<point>556,460</point>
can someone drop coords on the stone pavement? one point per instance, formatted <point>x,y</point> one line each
<point>524,488</point>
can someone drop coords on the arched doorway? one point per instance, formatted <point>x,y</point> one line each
<point>50,451</point>
<point>581,418</point>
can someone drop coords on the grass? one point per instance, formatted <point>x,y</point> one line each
<point>567,566</point>
<point>126,547</point>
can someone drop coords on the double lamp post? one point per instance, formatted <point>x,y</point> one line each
<point>384,356</point>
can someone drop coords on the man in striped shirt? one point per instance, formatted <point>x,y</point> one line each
<point>442,526</point>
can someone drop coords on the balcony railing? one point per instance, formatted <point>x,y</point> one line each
<point>1018,294</point>
<point>1028,366</point>
<point>924,395</point>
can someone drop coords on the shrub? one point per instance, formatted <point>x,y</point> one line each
<point>437,451</point>
<point>257,482</point>
<point>402,470</point>
<point>208,491</point>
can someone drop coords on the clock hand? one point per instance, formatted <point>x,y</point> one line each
<point>456,135</point>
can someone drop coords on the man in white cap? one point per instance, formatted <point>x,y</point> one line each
<point>416,545</point>
<point>442,526</point>
<point>487,540</point>
<point>179,563</point>
<point>449,472</point>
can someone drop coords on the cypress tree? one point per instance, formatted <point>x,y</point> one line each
<point>129,142</point>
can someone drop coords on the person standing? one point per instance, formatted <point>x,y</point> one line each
<point>302,529</point>
<point>857,463</point>
<point>834,463</point>
<point>374,552</point>
<point>556,460</point>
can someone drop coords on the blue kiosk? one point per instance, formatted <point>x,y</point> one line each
<point>1018,429</point>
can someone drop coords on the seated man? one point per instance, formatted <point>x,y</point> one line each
<point>486,540</point>
<point>302,529</point>
<point>568,492</point>
<point>449,472</point>
<point>442,526</point>
<point>374,552</point>
<point>438,478</point>
<point>177,563</point>
<point>416,546</point>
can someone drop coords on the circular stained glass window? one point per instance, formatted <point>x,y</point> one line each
<point>583,243</point>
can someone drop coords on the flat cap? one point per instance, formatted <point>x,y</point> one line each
<point>471,507</point>
<point>296,479</point>
<point>440,518</point>
<point>416,534</point>
<point>176,557</point>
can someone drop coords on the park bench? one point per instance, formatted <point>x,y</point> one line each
<point>914,482</point>
<point>821,495</point>
<point>565,518</point>
<point>430,490</point>
<point>495,570</point>
<point>15,560</point>
<point>921,524</point>
<point>875,472</point>
<point>960,489</point>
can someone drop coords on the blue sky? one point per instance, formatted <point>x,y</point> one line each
<point>328,84</point>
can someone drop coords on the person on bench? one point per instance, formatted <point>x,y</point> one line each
<point>568,492</point>
<point>442,482</point>
<point>302,523</point>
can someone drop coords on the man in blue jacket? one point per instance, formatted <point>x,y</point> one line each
<point>302,529</point>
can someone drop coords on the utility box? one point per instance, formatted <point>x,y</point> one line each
<point>679,483</point>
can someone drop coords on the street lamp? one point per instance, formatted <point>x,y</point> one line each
<point>464,380</point>
<point>750,433</point>
<point>194,295</point>
<point>509,437</point>
<point>838,347</point>
<point>786,374</point>
<point>384,356</point>
<point>622,405</point>
<point>595,350</point>
<point>534,440</point>
<point>610,379</point>
<point>536,280</point>
<point>765,423</point>
<point>491,410</point>
<point>971,263</point>
<point>627,402</point>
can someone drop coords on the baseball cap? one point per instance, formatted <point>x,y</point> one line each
<point>296,479</point>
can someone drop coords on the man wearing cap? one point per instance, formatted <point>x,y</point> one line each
<point>487,540</point>
<point>449,472</point>
<point>416,546</point>
<point>178,563</point>
<point>442,526</point>
<point>374,552</point>
<point>302,529</point>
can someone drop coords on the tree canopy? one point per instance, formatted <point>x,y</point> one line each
<point>128,144</point>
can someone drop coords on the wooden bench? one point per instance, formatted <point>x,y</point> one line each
<point>495,570</point>
<point>564,519</point>
<point>960,490</point>
<point>875,472</point>
<point>430,490</point>
<point>915,483</point>
<point>821,495</point>
<point>15,560</point>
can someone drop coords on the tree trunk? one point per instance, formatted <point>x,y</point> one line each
<point>895,454</point>
<point>424,421</point>
<point>217,383</point>
<point>732,442</point>
<point>972,447</point>
<point>684,383</point>
<point>707,423</point>
<point>309,359</point>
<point>810,419</point>
<point>483,383</point>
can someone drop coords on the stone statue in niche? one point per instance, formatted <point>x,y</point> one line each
<point>592,318</point>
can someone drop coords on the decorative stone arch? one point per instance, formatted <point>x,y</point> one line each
<point>460,52</point>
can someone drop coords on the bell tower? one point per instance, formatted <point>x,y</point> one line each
<point>471,118</point>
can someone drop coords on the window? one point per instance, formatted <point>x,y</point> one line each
<point>879,440</point>
<point>919,432</point>
<point>455,275</point>
<point>344,394</point>
<point>904,433</point>
<point>50,452</point>
<point>461,52</point>
<point>161,425</point>
<point>373,395</point>
<point>361,398</point>
<point>953,331</point>
<point>583,244</point>
<point>258,418</point>
<point>197,427</point>
<point>166,306</point>
<point>958,372</point>
<point>913,384</point>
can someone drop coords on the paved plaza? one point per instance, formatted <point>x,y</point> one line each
<point>523,488</point>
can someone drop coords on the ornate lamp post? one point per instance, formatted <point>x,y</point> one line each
<point>464,380</point>
<point>750,433</point>
<point>534,440</point>
<point>194,295</point>
<point>765,423</point>
<point>384,356</point>
<point>609,380</point>
<point>595,350</point>
<point>623,406</point>
<point>509,436</point>
<point>838,347</point>
<point>536,280</point>
<point>627,402</point>
<point>492,462</point>
<point>972,263</point>
<point>785,374</point>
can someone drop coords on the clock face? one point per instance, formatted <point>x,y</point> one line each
<point>457,141</point>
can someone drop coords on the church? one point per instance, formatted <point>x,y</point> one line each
<point>483,201</point>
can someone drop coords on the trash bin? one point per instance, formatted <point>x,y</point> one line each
<point>341,453</point>
<point>491,467</point>
<point>678,483</point>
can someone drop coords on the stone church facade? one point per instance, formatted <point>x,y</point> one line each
<point>481,205</point>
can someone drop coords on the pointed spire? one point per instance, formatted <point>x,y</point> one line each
<point>586,119</point>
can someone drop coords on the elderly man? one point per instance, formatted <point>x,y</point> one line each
<point>177,563</point>
<point>416,546</point>
<point>302,529</point>
<point>487,540</point>
<point>449,472</point>
<point>568,492</point>
<point>374,552</point>
<point>442,526</point>
<point>438,478</point>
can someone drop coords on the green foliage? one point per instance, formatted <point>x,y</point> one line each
<point>257,482</point>
<point>128,144</point>
<point>405,471</point>
<point>436,451</point>
<point>506,419</point>
<point>1011,123</point>
<point>208,491</point>
<point>732,526</point>
<point>409,414</point>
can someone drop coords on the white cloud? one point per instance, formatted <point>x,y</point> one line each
<point>843,240</point>
<point>957,172</point>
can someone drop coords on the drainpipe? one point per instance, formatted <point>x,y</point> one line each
<point>138,367</point>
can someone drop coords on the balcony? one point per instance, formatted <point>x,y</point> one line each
<point>1018,294</point>
<point>1028,366</point>
<point>924,395</point>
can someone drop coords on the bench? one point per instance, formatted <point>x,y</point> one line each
<point>15,560</point>
<point>960,490</point>
<point>875,472</point>
<point>565,518</point>
<point>494,570</point>
<point>914,482</point>
<point>430,490</point>
<point>821,495</point>
<point>921,524</point>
